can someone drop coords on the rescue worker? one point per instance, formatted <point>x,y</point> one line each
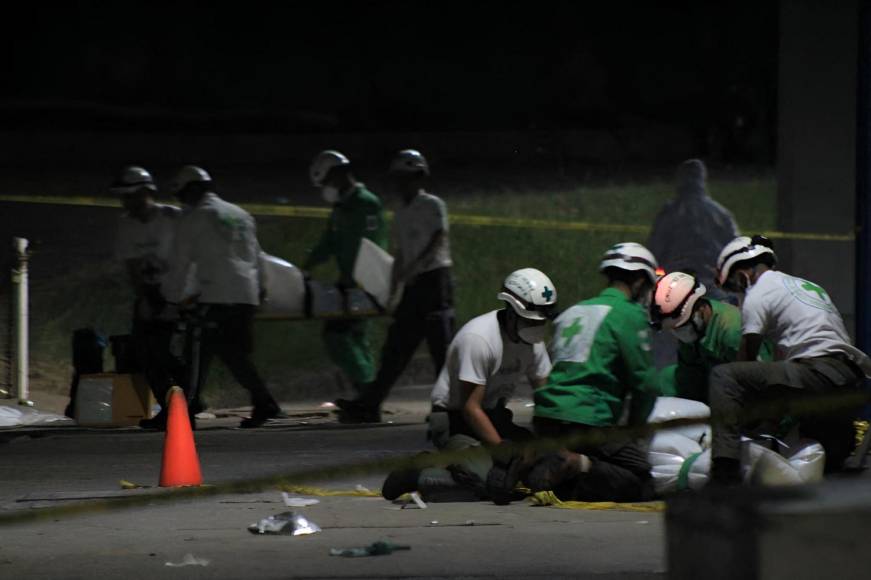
<point>422,266</point>
<point>146,234</point>
<point>708,333</point>
<point>357,213</point>
<point>486,361</point>
<point>601,357</point>
<point>815,358</point>
<point>217,244</point>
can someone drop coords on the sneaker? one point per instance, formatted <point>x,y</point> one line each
<point>399,482</point>
<point>260,415</point>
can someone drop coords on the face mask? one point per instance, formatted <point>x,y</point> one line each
<point>330,193</point>
<point>692,332</point>
<point>532,334</point>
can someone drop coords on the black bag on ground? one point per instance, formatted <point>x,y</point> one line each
<point>88,346</point>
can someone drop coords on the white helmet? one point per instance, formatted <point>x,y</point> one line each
<point>323,163</point>
<point>188,174</point>
<point>630,256</point>
<point>132,179</point>
<point>409,161</point>
<point>738,250</point>
<point>530,293</point>
<point>674,298</point>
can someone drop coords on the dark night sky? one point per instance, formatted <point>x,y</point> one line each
<point>384,65</point>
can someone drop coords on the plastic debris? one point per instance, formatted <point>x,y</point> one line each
<point>20,416</point>
<point>132,485</point>
<point>293,501</point>
<point>189,560</point>
<point>362,488</point>
<point>415,499</point>
<point>381,548</point>
<point>327,405</point>
<point>285,523</point>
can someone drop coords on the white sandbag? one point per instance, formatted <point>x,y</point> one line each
<point>20,416</point>
<point>809,460</point>
<point>671,408</point>
<point>372,271</point>
<point>666,476</point>
<point>285,289</point>
<point>674,444</point>
<point>795,465</point>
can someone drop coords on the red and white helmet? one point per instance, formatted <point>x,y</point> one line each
<point>630,256</point>
<point>738,250</point>
<point>530,293</point>
<point>323,163</point>
<point>674,297</point>
<point>409,161</point>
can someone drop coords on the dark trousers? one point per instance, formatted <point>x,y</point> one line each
<point>151,343</point>
<point>446,424</point>
<point>619,469</point>
<point>426,311</point>
<point>745,393</point>
<point>227,332</point>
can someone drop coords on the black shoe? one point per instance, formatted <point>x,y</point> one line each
<point>502,479</point>
<point>344,404</point>
<point>355,413</point>
<point>156,423</point>
<point>399,482</point>
<point>726,472</point>
<point>261,415</point>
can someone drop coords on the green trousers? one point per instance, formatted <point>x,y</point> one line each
<point>347,343</point>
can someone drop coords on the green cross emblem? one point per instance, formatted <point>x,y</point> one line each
<point>811,287</point>
<point>547,293</point>
<point>572,330</point>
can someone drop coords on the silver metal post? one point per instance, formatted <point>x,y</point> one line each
<point>22,355</point>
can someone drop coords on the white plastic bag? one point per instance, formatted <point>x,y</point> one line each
<point>285,289</point>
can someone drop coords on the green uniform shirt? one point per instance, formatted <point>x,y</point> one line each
<point>601,354</point>
<point>689,377</point>
<point>359,215</point>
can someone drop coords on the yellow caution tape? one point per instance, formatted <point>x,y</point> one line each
<point>548,498</point>
<point>321,492</point>
<point>302,211</point>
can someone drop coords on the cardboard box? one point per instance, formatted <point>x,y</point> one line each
<point>113,400</point>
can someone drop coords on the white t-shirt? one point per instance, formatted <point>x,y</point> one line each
<point>414,226</point>
<point>798,316</point>
<point>148,243</point>
<point>482,354</point>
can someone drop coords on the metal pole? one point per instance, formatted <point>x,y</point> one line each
<point>22,356</point>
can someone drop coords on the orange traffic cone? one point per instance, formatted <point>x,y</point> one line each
<point>181,466</point>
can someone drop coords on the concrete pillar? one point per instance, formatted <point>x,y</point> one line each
<point>816,161</point>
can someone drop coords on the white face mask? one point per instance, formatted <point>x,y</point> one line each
<point>691,332</point>
<point>330,193</point>
<point>533,333</point>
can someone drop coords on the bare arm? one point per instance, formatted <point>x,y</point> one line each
<point>750,345</point>
<point>430,249</point>
<point>475,416</point>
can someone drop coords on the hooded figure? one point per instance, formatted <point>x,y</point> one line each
<point>690,230</point>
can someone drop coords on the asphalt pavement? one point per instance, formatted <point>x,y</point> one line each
<point>43,468</point>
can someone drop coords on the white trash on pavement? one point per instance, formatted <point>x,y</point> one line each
<point>19,416</point>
